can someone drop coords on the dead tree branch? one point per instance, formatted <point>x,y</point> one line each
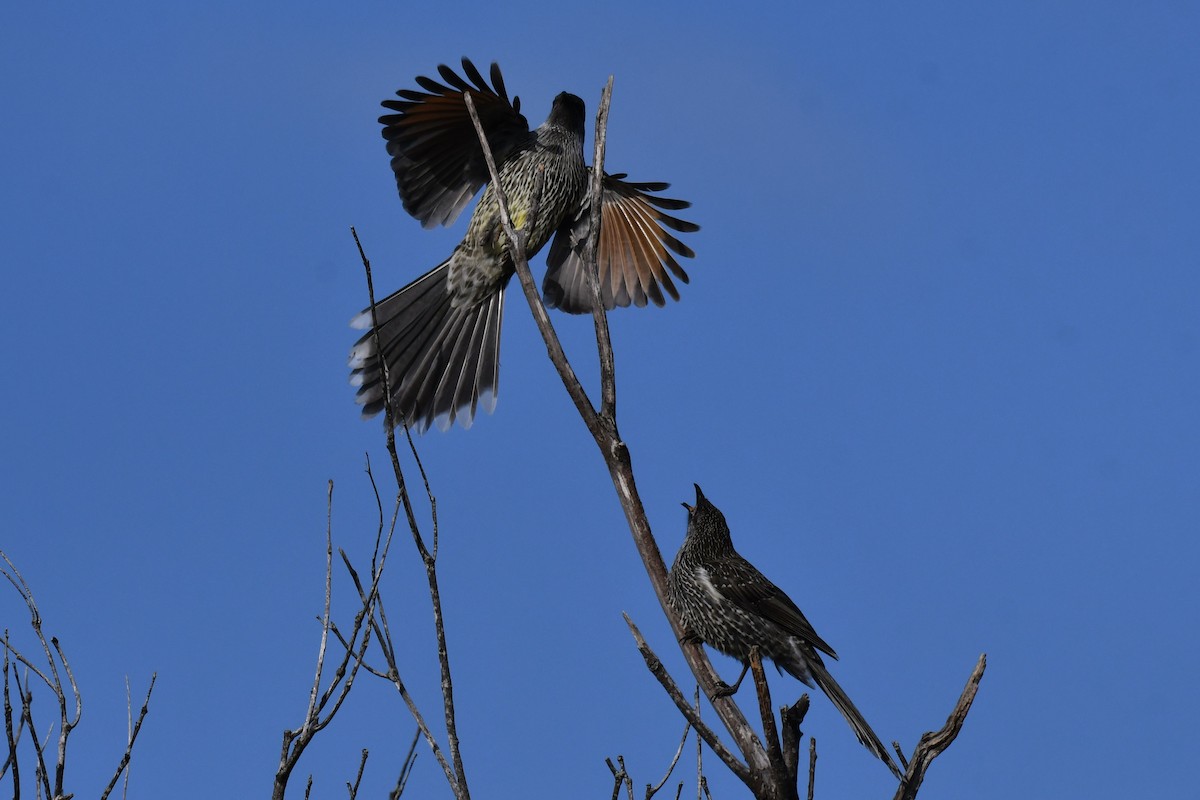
<point>134,729</point>
<point>67,696</point>
<point>932,745</point>
<point>791,717</point>
<point>652,790</point>
<point>410,758</point>
<point>779,773</point>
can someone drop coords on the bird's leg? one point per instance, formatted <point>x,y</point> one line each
<point>725,690</point>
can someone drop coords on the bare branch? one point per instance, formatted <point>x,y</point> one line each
<point>608,375</point>
<point>70,710</point>
<point>40,773</point>
<point>791,717</point>
<point>652,790</point>
<point>766,712</point>
<point>66,724</point>
<point>699,749</point>
<point>932,745</point>
<point>324,705</point>
<point>352,788</point>
<point>11,736</point>
<point>812,765</point>
<point>135,729</point>
<point>406,768</point>
<point>620,777</point>
<point>383,634</point>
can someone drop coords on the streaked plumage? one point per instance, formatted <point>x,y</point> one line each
<point>728,604</point>
<point>440,334</point>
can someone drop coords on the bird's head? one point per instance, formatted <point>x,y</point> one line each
<point>706,524</point>
<point>567,112</point>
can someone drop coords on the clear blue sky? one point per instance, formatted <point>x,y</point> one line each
<point>938,364</point>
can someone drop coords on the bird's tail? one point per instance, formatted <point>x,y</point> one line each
<point>840,699</point>
<point>443,362</point>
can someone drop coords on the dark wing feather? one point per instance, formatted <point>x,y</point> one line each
<point>744,586</point>
<point>637,256</point>
<point>436,156</point>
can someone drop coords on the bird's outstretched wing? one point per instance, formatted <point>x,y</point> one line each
<point>744,586</point>
<point>636,249</point>
<point>436,156</point>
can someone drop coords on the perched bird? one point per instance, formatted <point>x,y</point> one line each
<point>726,603</point>
<point>440,334</point>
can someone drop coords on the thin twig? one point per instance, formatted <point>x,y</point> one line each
<point>699,747</point>
<point>40,773</point>
<point>66,724</point>
<point>608,374</point>
<point>11,735</point>
<point>352,788</point>
<point>410,759</point>
<point>134,730</point>
<point>653,790</point>
<point>128,733</point>
<point>384,636</point>
<point>310,716</point>
<point>329,701</point>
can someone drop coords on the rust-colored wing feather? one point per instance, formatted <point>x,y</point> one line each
<point>637,252</point>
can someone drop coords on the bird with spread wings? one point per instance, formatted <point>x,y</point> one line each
<point>440,334</point>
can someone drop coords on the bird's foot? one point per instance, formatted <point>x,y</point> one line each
<point>723,689</point>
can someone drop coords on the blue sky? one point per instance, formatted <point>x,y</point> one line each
<point>937,364</point>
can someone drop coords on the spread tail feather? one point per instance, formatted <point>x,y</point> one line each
<point>443,362</point>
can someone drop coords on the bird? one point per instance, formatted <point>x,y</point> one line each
<point>723,601</point>
<point>440,334</point>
